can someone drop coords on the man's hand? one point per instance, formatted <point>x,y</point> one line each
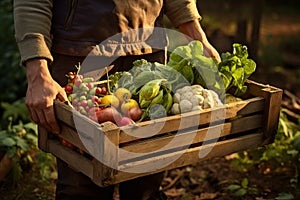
<point>41,92</point>
<point>194,30</point>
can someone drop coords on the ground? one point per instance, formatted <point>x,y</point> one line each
<point>209,179</point>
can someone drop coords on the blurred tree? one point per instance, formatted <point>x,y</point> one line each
<point>244,16</point>
<point>13,79</point>
<point>257,10</point>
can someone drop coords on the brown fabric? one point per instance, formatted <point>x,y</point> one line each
<point>77,33</point>
<point>33,21</point>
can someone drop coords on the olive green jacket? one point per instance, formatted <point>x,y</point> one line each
<point>37,33</point>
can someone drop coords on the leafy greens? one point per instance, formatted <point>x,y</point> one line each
<point>231,72</point>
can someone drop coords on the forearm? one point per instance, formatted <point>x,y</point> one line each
<point>181,11</point>
<point>37,68</point>
<point>32,21</point>
<point>194,30</point>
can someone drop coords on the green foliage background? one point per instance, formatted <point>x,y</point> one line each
<point>13,78</point>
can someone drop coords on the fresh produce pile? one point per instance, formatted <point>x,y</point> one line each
<point>98,103</point>
<point>189,81</point>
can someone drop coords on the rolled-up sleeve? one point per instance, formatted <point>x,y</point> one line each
<point>32,21</point>
<point>181,11</point>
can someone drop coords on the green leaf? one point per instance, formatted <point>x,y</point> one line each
<point>3,134</point>
<point>296,142</point>
<point>240,50</point>
<point>12,152</point>
<point>240,91</point>
<point>21,143</point>
<point>233,187</point>
<point>285,196</point>
<point>239,66</point>
<point>188,73</point>
<point>226,78</point>
<point>240,192</point>
<point>32,138</point>
<point>196,47</point>
<point>31,126</point>
<point>15,109</point>
<point>245,183</point>
<point>8,142</point>
<point>250,67</point>
<point>238,76</point>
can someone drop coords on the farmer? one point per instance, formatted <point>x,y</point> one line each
<point>55,35</point>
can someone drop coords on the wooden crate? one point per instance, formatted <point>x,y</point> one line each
<point>113,154</point>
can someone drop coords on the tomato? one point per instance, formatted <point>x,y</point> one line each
<point>83,87</point>
<point>66,143</point>
<point>69,88</point>
<point>95,99</point>
<point>110,100</point>
<point>83,103</point>
<point>90,103</point>
<point>82,97</point>
<point>77,80</point>
<point>74,102</point>
<point>126,106</point>
<point>82,110</point>
<point>98,90</point>
<point>108,114</point>
<point>71,75</point>
<point>90,85</point>
<point>103,90</point>
<point>135,113</point>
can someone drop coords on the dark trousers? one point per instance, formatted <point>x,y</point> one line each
<point>73,185</point>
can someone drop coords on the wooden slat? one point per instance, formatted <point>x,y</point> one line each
<point>191,119</point>
<point>71,135</point>
<point>157,146</point>
<point>188,157</point>
<point>73,158</point>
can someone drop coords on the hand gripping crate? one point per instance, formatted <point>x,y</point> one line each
<point>111,154</point>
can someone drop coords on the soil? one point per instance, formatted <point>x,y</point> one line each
<point>209,179</point>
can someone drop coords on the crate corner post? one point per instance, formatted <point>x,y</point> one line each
<point>105,167</point>
<point>43,136</point>
<point>273,97</point>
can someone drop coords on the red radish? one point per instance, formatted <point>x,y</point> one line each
<point>124,121</point>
